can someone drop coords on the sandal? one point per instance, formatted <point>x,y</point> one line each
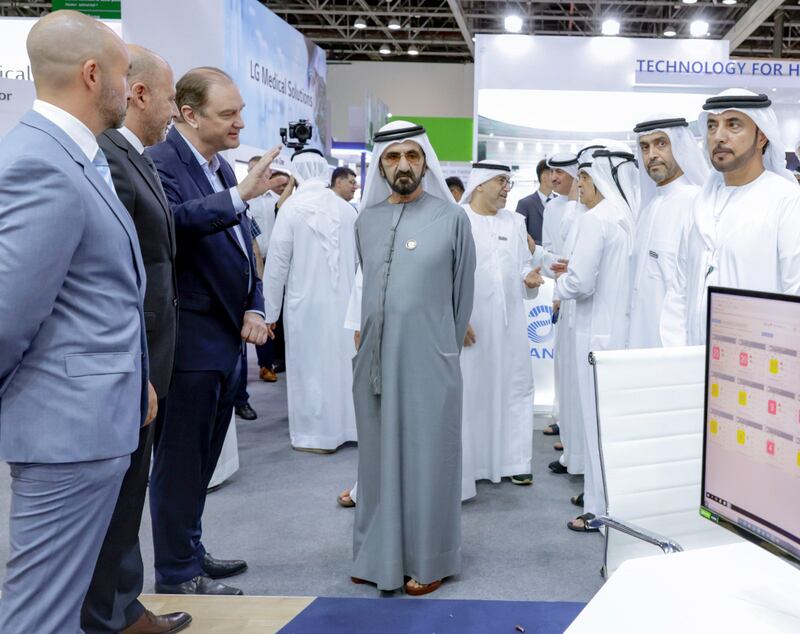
<point>577,500</point>
<point>559,446</point>
<point>419,589</point>
<point>551,430</point>
<point>345,500</point>
<point>585,528</point>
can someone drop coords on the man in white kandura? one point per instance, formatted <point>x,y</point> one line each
<point>672,171</point>
<point>312,254</point>
<point>497,421</point>
<point>597,279</point>
<point>745,225</point>
<point>560,213</point>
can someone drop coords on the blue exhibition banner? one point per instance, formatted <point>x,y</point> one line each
<point>280,73</point>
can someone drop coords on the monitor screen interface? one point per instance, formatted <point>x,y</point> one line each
<point>751,456</point>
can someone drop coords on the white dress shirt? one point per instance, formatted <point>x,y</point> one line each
<point>211,170</point>
<point>72,126</point>
<point>131,138</point>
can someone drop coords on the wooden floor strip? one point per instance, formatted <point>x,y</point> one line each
<point>229,615</point>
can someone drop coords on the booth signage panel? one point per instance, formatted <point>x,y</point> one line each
<point>280,73</point>
<point>16,98</point>
<point>108,9</point>
<point>14,62</point>
<point>578,63</point>
<point>541,338</point>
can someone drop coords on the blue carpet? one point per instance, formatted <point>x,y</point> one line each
<point>431,616</point>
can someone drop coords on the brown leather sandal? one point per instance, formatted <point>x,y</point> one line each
<point>418,591</point>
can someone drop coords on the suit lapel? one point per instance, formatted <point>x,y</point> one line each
<point>138,161</point>
<point>229,181</point>
<point>200,178</point>
<point>35,120</point>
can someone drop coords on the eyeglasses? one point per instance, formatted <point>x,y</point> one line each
<point>505,183</point>
<point>413,157</point>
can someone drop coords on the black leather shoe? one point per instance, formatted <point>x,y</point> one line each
<point>150,623</point>
<point>198,585</point>
<point>221,568</point>
<point>246,412</point>
<point>557,467</point>
<point>279,367</point>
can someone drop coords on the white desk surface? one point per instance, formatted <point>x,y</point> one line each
<point>726,589</point>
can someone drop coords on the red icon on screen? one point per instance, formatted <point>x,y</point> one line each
<point>771,447</point>
<point>744,359</point>
<point>715,353</point>
<point>772,407</point>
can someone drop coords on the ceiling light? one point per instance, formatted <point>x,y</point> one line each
<point>513,23</point>
<point>728,1</point>
<point>698,28</point>
<point>393,25</point>
<point>670,32</point>
<point>384,49</point>
<point>413,51</point>
<point>473,38</point>
<point>360,23</point>
<point>610,27</point>
<point>689,1</point>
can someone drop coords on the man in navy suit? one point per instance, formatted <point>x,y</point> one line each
<point>220,306</point>
<point>532,207</point>
<point>73,356</point>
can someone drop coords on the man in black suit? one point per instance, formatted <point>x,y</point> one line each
<point>220,307</point>
<point>532,207</point>
<point>112,604</point>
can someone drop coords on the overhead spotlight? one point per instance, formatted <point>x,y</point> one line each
<point>698,28</point>
<point>513,23</point>
<point>413,51</point>
<point>389,115</point>
<point>394,25</point>
<point>610,27</point>
<point>689,1</point>
<point>670,31</point>
<point>473,38</point>
<point>384,49</point>
<point>728,1</point>
<point>360,23</point>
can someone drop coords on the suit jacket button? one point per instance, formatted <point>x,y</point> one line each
<point>175,302</point>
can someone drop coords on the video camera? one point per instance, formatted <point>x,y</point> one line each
<point>300,131</point>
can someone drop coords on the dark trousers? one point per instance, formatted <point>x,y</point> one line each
<point>242,396</point>
<point>186,449</point>
<point>112,602</point>
<point>266,354</point>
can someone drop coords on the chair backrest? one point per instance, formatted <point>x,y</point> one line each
<point>650,423</point>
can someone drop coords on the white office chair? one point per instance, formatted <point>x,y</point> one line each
<point>650,422</point>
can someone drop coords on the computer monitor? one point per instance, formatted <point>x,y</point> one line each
<point>751,441</point>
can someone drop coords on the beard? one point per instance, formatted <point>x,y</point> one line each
<point>112,108</point>
<point>405,183</point>
<point>738,161</point>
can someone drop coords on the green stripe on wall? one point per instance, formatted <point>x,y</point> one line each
<point>451,137</point>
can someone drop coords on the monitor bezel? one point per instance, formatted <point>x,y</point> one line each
<point>706,512</point>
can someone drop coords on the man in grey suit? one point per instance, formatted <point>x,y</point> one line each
<point>112,603</point>
<point>73,364</point>
<point>532,207</point>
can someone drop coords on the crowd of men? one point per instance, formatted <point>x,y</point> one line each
<point>131,282</point>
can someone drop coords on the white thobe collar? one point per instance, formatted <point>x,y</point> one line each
<point>74,128</point>
<point>670,188</point>
<point>131,138</point>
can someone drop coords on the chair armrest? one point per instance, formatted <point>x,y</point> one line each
<point>664,543</point>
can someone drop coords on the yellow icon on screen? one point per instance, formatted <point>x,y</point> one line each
<point>774,366</point>
<point>740,436</point>
<point>798,458</point>
<point>742,397</point>
<point>715,390</point>
<point>713,426</point>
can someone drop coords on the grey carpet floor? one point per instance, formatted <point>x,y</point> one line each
<point>279,512</point>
